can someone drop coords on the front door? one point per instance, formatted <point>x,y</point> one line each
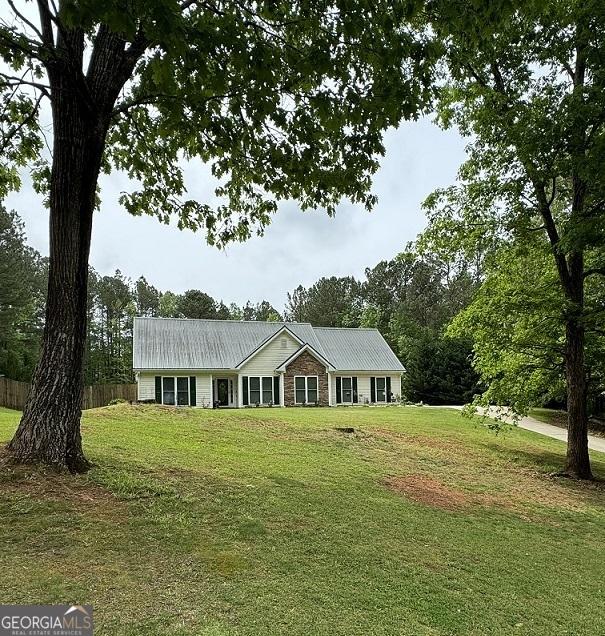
<point>222,392</point>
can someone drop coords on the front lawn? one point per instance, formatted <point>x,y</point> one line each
<point>272,522</point>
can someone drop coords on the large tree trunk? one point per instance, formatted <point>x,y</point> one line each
<point>49,431</point>
<point>578,461</point>
<point>82,109</point>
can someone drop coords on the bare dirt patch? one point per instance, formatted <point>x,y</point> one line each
<point>450,446</point>
<point>43,484</point>
<point>426,490</point>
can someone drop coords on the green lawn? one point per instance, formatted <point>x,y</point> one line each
<point>271,522</point>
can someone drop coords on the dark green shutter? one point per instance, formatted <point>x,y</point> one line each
<point>276,389</point>
<point>338,390</point>
<point>158,389</point>
<point>192,390</point>
<point>372,389</point>
<point>245,390</point>
<point>388,389</point>
<point>355,398</point>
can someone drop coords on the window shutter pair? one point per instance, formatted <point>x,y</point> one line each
<point>338,390</point>
<point>158,389</point>
<point>245,390</point>
<point>372,389</point>
<point>355,397</point>
<point>276,389</point>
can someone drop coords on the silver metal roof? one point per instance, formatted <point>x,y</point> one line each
<point>174,343</point>
<point>357,349</point>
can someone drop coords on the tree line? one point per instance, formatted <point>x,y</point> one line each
<point>409,299</point>
<point>290,101</point>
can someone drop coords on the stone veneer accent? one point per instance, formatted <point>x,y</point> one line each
<point>306,364</point>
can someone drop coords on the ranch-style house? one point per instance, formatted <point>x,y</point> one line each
<point>236,363</point>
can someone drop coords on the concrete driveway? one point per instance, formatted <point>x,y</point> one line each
<point>532,424</point>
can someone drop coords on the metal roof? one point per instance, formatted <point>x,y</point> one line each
<point>350,349</point>
<point>180,343</point>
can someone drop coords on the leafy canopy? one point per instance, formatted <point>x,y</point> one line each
<point>283,100</point>
<point>525,82</point>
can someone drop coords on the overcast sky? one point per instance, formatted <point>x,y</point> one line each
<point>298,247</point>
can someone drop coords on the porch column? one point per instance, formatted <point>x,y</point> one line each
<point>240,402</point>
<point>282,390</point>
<point>329,389</point>
<point>211,392</point>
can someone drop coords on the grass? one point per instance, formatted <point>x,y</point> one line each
<point>272,522</point>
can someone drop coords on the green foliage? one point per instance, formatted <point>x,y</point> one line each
<point>518,330</point>
<point>411,299</point>
<point>330,302</point>
<point>281,100</point>
<point>438,368</point>
<point>112,307</point>
<point>22,295</point>
<point>525,83</point>
<point>263,311</point>
<point>147,298</point>
<point>196,304</point>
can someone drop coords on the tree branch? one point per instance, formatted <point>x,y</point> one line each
<point>17,129</point>
<point>594,271</point>
<point>553,235</point>
<point>32,48</point>
<point>46,35</point>
<point>12,80</point>
<point>25,21</point>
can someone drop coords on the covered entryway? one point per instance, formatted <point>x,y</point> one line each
<point>225,392</point>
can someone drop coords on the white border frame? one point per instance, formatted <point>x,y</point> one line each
<point>306,389</point>
<point>266,342</point>
<point>342,377</point>
<point>250,403</point>
<point>176,390</point>
<point>375,399</point>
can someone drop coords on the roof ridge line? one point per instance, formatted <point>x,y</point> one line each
<point>256,322</point>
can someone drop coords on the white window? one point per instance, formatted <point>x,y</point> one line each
<point>175,390</point>
<point>381,390</point>
<point>254,390</point>
<point>305,389</point>
<point>260,390</point>
<point>267,390</point>
<point>168,391</point>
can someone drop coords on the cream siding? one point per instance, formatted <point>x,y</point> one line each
<point>268,359</point>
<point>364,384</point>
<point>262,364</point>
<point>203,390</point>
<point>146,386</point>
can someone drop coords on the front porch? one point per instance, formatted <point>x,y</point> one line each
<point>225,391</point>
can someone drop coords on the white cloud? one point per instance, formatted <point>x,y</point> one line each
<point>297,248</point>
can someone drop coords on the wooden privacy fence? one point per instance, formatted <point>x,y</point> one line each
<point>102,394</point>
<point>13,394</point>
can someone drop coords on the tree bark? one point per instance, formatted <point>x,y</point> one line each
<point>82,109</point>
<point>49,431</point>
<point>578,461</point>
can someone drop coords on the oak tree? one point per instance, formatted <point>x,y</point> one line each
<point>525,82</point>
<point>283,100</point>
